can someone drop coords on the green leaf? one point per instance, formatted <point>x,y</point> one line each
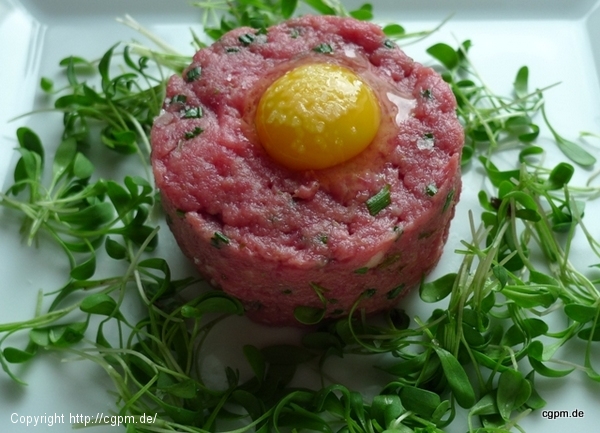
<point>485,406</point>
<point>288,7</point>
<point>420,401</point>
<point>256,360</point>
<point>513,391</point>
<point>90,217</point>
<point>523,199</point>
<point>535,352</point>
<point>445,54</point>
<point>457,378</point>
<point>363,13</point>
<point>501,274</point>
<point>65,154</point>
<point>572,150</point>
<point>529,151</point>
<point>46,84</point>
<point>590,333</point>
<point>520,84</point>
<point>386,409</point>
<point>320,6</point>
<point>535,400</point>
<point>394,30</point>
<point>213,302</point>
<point>252,404</point>
<point>30,141</point>
<point>560,176</point>
<point>437,290</point>
<point>114,249</point>
<point>581,313</point>
<point>309,315</point>
<point>496,176</point>
<point>104,70</point>
<point>529,296</point>
<point>85,269</point>
<point>82,166</point>
<point>66,335</point>
<point>17,356</point>
<point>100,304</point>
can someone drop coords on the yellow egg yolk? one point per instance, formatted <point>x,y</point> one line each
<point>317,116</point>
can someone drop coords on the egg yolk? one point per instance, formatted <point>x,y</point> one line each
<point>316,116</point>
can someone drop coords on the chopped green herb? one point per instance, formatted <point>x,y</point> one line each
<point>323,48</point>
<point>379,201</point>
<point>426,93</point>
<point>388,43</point>
<point>392,294</point>
<point>232,49</point>
<point>219,239</point>
<point>246,39</point>
<point>193,74</point>
<point>369,293</point>
<point>389,260</point>
<point>363,270</point>
<point>431,190</point>
<point>425,234</point>
<point>193,113</point>
<point>193,133</point>
<point>294,33</point>
<point>179,99</point>
<point>448,201</point>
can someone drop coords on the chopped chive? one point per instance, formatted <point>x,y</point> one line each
<point>389,260</point>
<point>219,239</point>
<point>232,49</point>
<point>324,239</point>
<point>431,190</point>
<point>379,201</point>
<point>369,293</point>
<point>193,133</point>
<point>323,48</point>
<point>395,291</point>
<point>246,39</point>
<point>179,99</point>
<point>388,43</point>
<point>426,93</point>
<point>362,270</point>
<point>294,33</point>
<point>449,198</point>
<point>425,235</point>
<point>193,74</point>
<point>193,113</point>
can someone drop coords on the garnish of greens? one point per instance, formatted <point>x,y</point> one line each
<point>479,351</point>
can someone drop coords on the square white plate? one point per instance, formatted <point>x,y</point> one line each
<point>558,40</point>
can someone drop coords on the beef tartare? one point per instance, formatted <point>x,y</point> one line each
<point>289,197</point>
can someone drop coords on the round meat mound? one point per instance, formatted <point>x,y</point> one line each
<point>309,243</point>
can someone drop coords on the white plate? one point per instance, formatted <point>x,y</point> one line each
<point>559,41</point>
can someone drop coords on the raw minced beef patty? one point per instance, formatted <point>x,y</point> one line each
<point>278,239</point>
